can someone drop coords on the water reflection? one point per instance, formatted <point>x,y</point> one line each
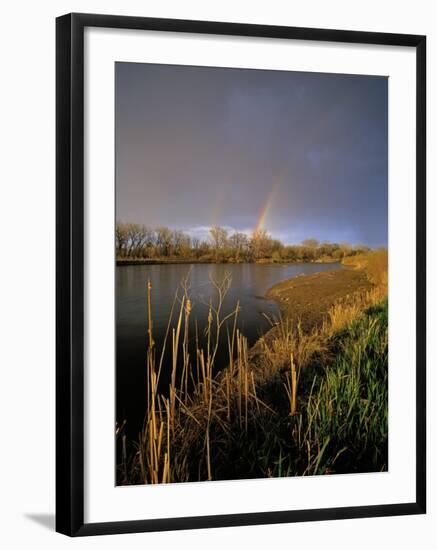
<point>250,282</point>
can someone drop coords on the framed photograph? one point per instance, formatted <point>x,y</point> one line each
<point>240,274</point>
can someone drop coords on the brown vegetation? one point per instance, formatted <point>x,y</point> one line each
<point>136,243</point>
<point>309,401</point>
<point>374,264</point>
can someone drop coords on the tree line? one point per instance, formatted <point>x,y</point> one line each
<point>136,241</point>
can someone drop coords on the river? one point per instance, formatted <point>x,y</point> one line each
<point>250,283</point>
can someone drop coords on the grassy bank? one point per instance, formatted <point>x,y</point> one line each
<point>312,400</point>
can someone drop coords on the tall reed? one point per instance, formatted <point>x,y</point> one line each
<point>306,403</point>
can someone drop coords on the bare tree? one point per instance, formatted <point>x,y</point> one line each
<point>346,249</point>
<point>121,239</point>
<point>181,244</point>
<point>261,244</point>
<point>164,241</point>
<point>239,244</point>
<point>311,243</point>
<point>140,241</point>
<point>219,237</point>
<point>137,237</point>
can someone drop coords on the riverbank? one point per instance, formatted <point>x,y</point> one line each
<point>176,261</point>
<point>294,407</point>
<point>309,298</point>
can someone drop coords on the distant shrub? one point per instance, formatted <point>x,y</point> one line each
<point>206,258</point>
<point>276,256</point>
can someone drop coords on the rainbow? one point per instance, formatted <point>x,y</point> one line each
<point>218,206</point>
<point>264,212</point>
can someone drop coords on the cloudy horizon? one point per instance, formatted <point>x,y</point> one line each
<point>301,155</point>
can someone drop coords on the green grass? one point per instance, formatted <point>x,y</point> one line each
<point>341,424</point>
<point>346,412</point>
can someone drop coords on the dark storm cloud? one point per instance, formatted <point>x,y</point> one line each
<point>200,146</point>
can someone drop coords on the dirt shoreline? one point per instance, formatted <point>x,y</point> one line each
<point>308,298</point>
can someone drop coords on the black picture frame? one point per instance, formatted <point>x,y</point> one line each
<point>70,273</point>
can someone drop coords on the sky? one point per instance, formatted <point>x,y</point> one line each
<point>301,155</point>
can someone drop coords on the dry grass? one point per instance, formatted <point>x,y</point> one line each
<point>229,424</point>
<point>374,263</point>
<point>344,312</point>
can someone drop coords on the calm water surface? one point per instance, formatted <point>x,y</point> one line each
<point>250,283</point>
